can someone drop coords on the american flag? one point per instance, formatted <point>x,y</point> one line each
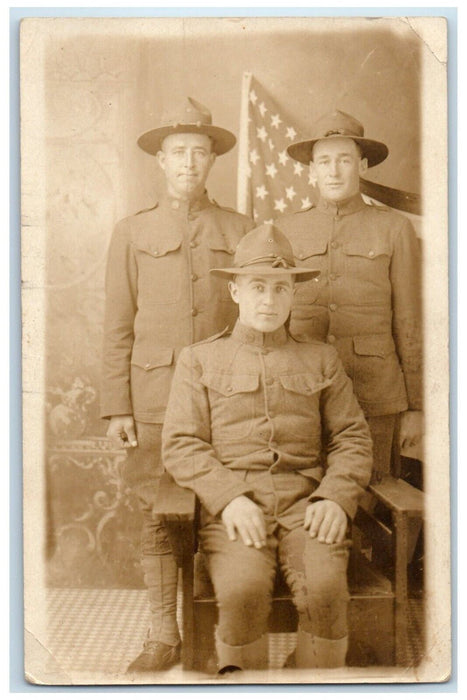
<point>270,182</point>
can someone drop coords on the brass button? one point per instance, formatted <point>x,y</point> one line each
<point>333,307</point>
<point>193,244</point>
<point>269,381</point>
<point>229,389</point>
<point>147,365</point>
<point>334,244</point>
<point>332,276</point>
<point>264,351</point>
<point>175,204</point>
<point>194,277</point>
<point>337,218</point>
<point>194,312</point>
<point>331,338</point>
<point>155,252</point>
<point>371,253</point>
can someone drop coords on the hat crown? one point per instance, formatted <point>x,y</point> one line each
<point>191,112</point>
<point>264,245</point>
<point>337,123</point>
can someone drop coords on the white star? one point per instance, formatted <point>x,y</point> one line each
<point>311,179</point>
<point>253,97</point>
<point>306,203</point>
<point>276,120</point>
<point>271,170</point>
<point>254,156</point>
<point>283,157</point>
<point>271,144</point>
<point>261,133</point>
<point>297,168</point>
<point>255,214</point>
<point>261,192</point>
<point>280,205</point>
<point>291,133</point>
<point>268,221</point>
<point>290,192</point>
<point>263,109</point>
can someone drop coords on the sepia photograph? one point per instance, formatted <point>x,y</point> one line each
<point>235,350</point>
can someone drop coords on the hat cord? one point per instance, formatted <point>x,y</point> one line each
<point>275,260</point>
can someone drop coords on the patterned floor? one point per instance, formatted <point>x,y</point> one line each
<point>92,635</point>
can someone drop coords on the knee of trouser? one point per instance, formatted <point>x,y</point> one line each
<point>244,598</point>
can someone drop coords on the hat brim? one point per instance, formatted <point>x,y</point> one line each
<point>302,274</point>
<point>374,151</point>
<point>223,140</point>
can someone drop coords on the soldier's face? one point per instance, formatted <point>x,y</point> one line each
<point>186,160</point>
<point>337,166</point>
<point>264,301</point>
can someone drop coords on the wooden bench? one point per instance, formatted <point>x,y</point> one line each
<point>383,542</point>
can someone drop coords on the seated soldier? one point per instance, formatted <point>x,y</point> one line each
<point>267,432</point>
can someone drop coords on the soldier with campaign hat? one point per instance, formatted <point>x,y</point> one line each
<point>366,302</point>
<point>249,417</point>
<point>160,298</point>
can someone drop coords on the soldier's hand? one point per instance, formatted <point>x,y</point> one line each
<point>411,428</point>
<point>122,430</point>
<point>326,520</point>
<point>244,517</point>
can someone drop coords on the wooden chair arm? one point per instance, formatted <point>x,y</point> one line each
<point>399,496</point>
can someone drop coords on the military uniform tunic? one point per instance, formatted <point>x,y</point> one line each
<point>160,297</point>
<point>366,301</point>
<point>252,414</point>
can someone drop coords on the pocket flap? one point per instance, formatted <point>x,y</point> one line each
<point>367,248</point>
<point>159,248</point>
<point>218,242</point>
<point>305,384</point>
<point>229,385</point>
<point>376,345</point>
<point>150,359</point>
<point>310,248</point>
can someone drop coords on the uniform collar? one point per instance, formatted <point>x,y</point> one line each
<point>347,206</point>
<point>184,206</point>
<point>250,336</point>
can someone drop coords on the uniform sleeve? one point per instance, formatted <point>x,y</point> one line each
<point>120,309</point>
<point>346,441</point>
<point>187,452</point>
<point>407,315</point>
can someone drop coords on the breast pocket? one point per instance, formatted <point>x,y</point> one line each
<point>314,256</point>
<point>367,257</point>
<point>232,400</point>
<point>160,272</point>
<point>301,396</point>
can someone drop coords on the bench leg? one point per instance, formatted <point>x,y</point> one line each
<point>400,521</point>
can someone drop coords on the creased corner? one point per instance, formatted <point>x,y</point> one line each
<point>40,666</point>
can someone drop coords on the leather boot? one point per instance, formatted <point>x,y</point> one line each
<point>253,655</point>
<point>162,646</point>
<point>318,652</point>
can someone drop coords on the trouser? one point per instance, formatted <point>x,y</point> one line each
<point>243,577</point>
<point>143,470</point>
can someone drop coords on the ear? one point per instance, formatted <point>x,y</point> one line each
<point>160,155</point>
<point>233,289</point>
<point>363,166</point>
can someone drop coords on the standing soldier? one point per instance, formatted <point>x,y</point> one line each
<point>160,298</point>
<point>366,301</point>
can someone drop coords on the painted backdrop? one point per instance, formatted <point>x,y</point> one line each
<point>104,84</point>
